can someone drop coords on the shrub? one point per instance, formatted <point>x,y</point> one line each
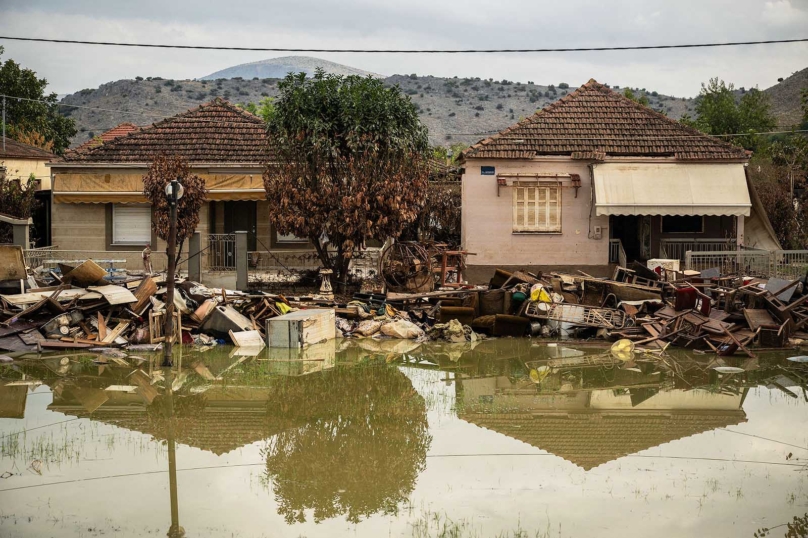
<point>500,106</point>
<point>138,79</point>
<point>168,83</point>
<point>414,76</point>
<point>479,107</point>
<point>563,85</point>
<point>654,94</point>
<point>452,114</point>
<point>158,89</point>
<point>476,114</point>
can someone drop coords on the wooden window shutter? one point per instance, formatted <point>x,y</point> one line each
<point>554,209</point>
<point>519,209</point>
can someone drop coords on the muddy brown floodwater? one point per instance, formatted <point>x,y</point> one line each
<point>509,438</point>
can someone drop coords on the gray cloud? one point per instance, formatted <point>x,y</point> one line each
<point>418,24</point>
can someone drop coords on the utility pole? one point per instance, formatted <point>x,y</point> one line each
<point>4,124</point>
<point>174,192</point>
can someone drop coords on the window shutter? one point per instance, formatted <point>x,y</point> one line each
<point>131,224</point>
<point>537,209</point>
<point>554,209</point>
<point>518,209</point>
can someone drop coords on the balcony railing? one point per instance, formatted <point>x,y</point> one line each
<point>675,249</point>
<point>616,252</point>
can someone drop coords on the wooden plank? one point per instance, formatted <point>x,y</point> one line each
<point>144,386</point>
<point>247,338</point>
<point>102,327</point>
<point>143,293</point>
<point>116,332</point>
<point>756,317</point>
<point>115,295</point>
<point>85,274</point>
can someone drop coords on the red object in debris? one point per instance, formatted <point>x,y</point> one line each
<point>685,299</point>
<point>187,338</point>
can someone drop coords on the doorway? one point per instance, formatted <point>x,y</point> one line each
<point>634,232</point>
<point>241,217</point>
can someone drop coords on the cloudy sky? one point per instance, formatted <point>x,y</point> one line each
<point>417,24</point>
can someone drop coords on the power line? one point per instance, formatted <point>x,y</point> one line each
<point>404,51</point>
<point>142,112</point>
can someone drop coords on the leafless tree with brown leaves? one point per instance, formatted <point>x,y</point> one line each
<point>163,169</point>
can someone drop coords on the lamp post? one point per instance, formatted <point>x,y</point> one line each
<point>174,192</point>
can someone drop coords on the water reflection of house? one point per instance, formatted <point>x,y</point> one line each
<point>223,420</point>
<point>629,412</point>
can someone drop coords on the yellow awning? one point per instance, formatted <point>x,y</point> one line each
<point>100,188</point>
<point>671,189</point>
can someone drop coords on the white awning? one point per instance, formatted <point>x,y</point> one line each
<point>671,189</point>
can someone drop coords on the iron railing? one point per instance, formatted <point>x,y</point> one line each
<point>221,252</point>
<point>786,264</point>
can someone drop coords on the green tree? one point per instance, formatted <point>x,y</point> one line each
<point>16,200</point>
<point>349,162</point>
<point>265,109</point>
<point>35,112</point>
<point>720,113</point>
<point>642,99</point>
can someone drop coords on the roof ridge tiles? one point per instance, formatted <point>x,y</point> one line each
<point>595,116</point>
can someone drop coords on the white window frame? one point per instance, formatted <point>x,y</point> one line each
<point>531,219</point>
<point>115,240</point>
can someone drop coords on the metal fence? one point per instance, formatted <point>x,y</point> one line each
<point>34,257</point>
<point>786,264</point>
<point>221,252</point>
<point>51,257</point>
<point>675,249</point>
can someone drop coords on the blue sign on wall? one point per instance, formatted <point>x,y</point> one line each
<point>487,171</point>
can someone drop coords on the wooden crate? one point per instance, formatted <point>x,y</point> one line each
<point>156,324</point>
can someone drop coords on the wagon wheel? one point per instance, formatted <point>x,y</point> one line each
<point>407,266</point>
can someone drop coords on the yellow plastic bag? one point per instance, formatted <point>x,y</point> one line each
<point>283,307</point>
<point>539,294</point>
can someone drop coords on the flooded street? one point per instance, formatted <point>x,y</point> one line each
<point>369,438</point>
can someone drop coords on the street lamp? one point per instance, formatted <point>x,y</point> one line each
<point>174,192</point>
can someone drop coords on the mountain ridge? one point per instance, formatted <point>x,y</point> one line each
<point>454,109</point>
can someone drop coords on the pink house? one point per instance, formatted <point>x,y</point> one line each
<point>596,178</point>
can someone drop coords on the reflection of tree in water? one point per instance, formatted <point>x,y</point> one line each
<point>352,441</point>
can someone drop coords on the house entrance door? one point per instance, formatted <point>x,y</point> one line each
<point>241,217</point>
<point>629,229</point>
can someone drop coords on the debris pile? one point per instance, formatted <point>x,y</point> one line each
<point>82,308</point>
<point>704,311</point>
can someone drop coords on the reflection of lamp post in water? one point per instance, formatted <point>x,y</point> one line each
<point>174,192</point>
<point>175,531</point>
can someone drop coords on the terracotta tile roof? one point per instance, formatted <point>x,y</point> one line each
<point>594,122</point>
<point>18,150</point>
<point>119,130</point>
<point>592,439</point>
<point>216,430</point>
<point>215,132</point>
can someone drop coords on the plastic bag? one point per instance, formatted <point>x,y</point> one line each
<point>402,329</point>
<point>539,294</point>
